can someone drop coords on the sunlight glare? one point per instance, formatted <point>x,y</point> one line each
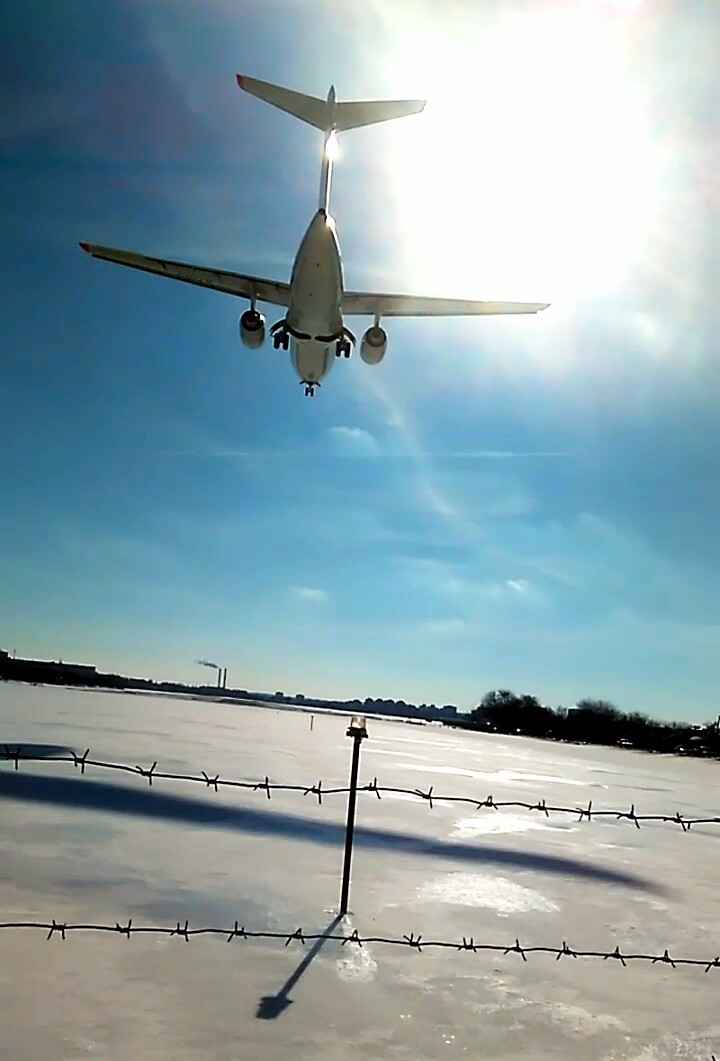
<point>332,146</point>
<point>532,138</point>
<point>626,5</point>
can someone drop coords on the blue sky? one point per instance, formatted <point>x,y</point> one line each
<point>529,504</point>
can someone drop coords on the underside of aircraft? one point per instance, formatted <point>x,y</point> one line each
<point>315,301</point>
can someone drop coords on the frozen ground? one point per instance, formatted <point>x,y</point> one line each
<point>105,847</point>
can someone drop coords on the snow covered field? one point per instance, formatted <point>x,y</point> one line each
<point>106,847</point>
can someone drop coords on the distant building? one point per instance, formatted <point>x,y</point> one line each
<point>566,712</point>
<point>41,670</point>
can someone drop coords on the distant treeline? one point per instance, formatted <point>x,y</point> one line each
<point>500,711</point>
<point>590,722</point>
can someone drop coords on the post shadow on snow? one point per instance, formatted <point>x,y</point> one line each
<point>111,798</point>
<point>271,1006</point>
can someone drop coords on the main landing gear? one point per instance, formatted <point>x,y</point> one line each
<point>343,347</point>
<point>281,340</point>
<point>309,388</point>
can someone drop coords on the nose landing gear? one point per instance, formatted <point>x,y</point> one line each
<point>309,388</point>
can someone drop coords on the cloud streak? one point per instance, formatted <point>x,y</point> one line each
<point>310,593</point>
<point>353,442</point>
<point>426,490</point>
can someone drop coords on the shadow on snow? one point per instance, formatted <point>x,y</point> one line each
<point>110,798</point>
<point>271,1006</point>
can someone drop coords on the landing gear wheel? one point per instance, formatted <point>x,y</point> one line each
<point>343,348</point>
<point>281,340</point>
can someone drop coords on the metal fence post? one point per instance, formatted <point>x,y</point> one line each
<point>358,732</point>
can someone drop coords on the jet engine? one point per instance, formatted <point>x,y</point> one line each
<point>373,345</point>
<point>252,328</point>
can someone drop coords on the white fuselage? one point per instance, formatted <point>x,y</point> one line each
<point>314,317</point>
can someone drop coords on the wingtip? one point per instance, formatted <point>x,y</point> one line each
<point>85,247</point>
<point>239,78</point>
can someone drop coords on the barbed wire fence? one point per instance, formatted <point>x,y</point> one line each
<point>412,941</point>
<point>17,754</point>
<point>319,791</point>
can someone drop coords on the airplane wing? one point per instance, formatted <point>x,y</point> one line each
<point>356,302</point>
<point>218,279</point>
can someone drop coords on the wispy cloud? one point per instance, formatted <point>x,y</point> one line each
<point>427,492</point>
<point>495,454</point>
<point>518,585</point>
<point>467,522</point>
<point>310,593</point>
<point>347,442</point>
<point>432,575</point>
<point>353,442</point>
<point>446,581</point>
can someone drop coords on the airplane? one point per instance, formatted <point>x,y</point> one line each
<point>315,299</point>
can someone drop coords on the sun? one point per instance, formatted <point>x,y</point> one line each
<point>531,176</point>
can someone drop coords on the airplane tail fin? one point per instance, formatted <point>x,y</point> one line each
<point>327,114</point>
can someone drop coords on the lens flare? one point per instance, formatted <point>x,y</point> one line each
<point>331,146</point>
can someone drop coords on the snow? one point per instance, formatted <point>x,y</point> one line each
<point>107,847</point>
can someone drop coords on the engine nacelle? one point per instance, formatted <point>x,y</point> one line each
<point>252,328</point>
<point>373,345</point>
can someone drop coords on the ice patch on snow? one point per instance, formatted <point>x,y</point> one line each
<point>674,1048</point>
<point>485,825</point>
<point>500,776</point>
<point>580,1023</point>
<point>480,890</point>
<point>355,962</point>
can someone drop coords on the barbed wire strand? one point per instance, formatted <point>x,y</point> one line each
<point>412,941</point>
<point>16,755</point>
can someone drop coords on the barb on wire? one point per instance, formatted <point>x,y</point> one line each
<point>410,941</point>
<point>15,755</point>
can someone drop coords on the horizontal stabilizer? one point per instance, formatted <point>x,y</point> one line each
<point>307,108</point>
<point>327,113</point>
<point>355,115</point>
